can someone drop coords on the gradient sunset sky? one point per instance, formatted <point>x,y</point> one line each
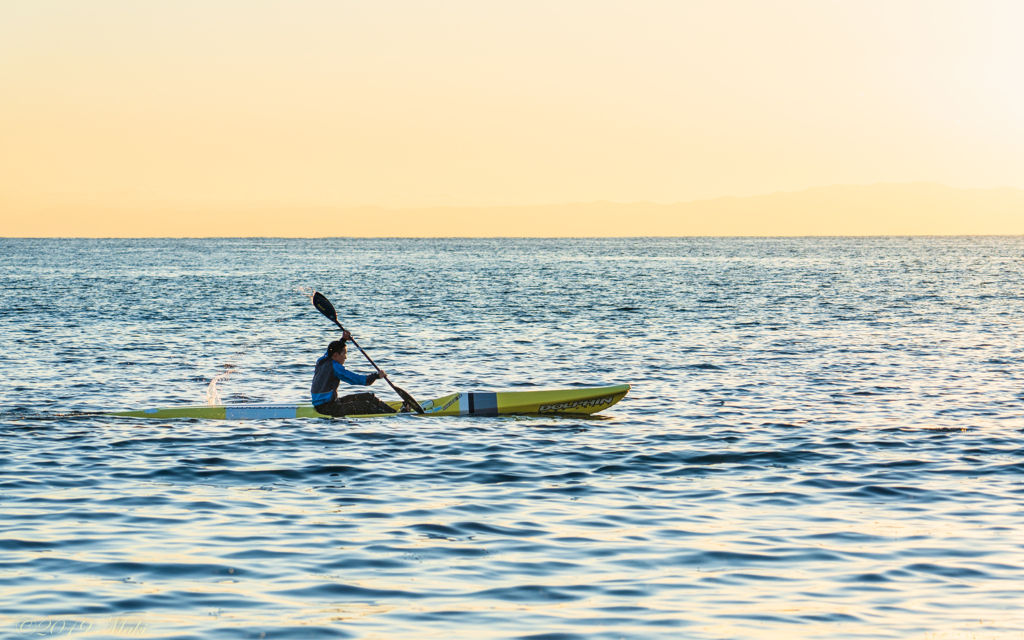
<point>414,104</point>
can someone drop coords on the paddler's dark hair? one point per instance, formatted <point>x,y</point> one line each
<point>335,347</point>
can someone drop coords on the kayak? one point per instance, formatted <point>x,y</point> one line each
<point>557,402</point>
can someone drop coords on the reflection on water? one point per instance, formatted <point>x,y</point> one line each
<point>822,440</point>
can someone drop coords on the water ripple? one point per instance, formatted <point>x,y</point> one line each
<point>822,440</point>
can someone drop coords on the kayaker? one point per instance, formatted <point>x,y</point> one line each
<point>330,371</point>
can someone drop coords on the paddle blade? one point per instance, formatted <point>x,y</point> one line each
<point>324,306</point>
<point>408,399</point>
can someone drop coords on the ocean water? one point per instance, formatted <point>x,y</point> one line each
<point>823,440</point>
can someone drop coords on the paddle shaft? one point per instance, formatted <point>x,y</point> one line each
<point>353,340</point>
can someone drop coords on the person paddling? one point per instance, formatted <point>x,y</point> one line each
<point>330,371</point>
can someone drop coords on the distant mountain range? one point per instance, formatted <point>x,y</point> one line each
<point>919,208</point>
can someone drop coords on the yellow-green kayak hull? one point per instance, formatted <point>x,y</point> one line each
<point>583,401</point>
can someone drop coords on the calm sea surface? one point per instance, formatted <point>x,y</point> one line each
<point>823,440</point>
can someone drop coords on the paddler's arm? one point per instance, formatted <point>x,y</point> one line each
<point>351,377</point>
<point>374,377</point>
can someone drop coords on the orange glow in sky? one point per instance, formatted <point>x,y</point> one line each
<point>233,105</point>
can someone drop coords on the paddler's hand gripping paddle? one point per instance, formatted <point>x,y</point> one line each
<point>325,307</point>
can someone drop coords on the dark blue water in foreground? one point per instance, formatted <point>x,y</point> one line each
<point>823,440</point>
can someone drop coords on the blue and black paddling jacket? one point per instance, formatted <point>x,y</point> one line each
<point>328,374</point>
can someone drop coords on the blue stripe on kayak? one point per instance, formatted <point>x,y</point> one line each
<point>483,404</point>
<point>259,412</point>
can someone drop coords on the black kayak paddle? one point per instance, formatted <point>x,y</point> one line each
<point>325,307</point>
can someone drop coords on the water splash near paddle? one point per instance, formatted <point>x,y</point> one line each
<point>212,393</point>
